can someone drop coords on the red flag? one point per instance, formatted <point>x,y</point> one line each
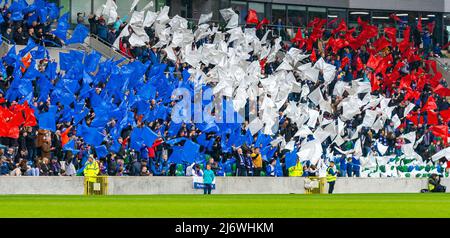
<point>262,63</point>
<point>342,27</point>
<point>430,105</point>
<point>252,17</point>
<point>344,62</point>
<point>431,26</point>
<point>361,22</point>
<point>381,43</point>
<point>263,22</point>
<point>373,62</point>
<point>313,56</point>
<point>395,17</point>
<point>442,91</point>
<point>440,131</point>
<point>446,46</point>
<point>359,64</point>
<point>445,115</point>
<point>332,21</point>
<point>298,38</point>
<point>419,24</point>
<point>432,118</point>
<point>391,33</point>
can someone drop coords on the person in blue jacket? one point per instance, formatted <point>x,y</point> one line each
<point>343,166</point>
<point>356,166</point>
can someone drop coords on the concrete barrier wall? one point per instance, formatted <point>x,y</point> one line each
<point>225,185</point>
<point>41,185</point>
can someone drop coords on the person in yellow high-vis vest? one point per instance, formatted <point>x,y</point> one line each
<point>91,169</point>
<point>331,177</point>
<point>296,170</point>
<point>434,184</point>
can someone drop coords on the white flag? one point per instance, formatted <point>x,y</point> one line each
<point>205,18</point>
<point>134,4</point>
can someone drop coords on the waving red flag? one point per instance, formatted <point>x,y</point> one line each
<point>359,64</point>
<point>298,38</point>
<point>432,118</point>
<point>344,62</point>
<point>442,91</point>
<point>263,22</point>
<point>332,21</point>
<point>419,24</point>
<point>430,105</point>
<point>373,62</point>
<point>342,27</point>
<point>395,17</point>
<point>431,26</point>
<point>445,115</point>
<point>252,17</point>
<point>440,131</point>
<point>313,56</point>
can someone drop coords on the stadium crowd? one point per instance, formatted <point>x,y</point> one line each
<point>401,71</point>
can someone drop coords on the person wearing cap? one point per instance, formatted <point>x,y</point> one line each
<point>434,184</point>
<point>331,177</point>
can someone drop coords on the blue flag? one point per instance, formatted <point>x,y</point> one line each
<point>92,136</point>
<point>101,151</point>
<point>291,159</point>
<point>70,146</point>
<point>91,61</point>
<point>47,121</point>
<point>79,35</point>
<point>190,151</point>
<point>62,27</point>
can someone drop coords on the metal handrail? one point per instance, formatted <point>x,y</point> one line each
<point>109,45</point>
<point>6,40</point>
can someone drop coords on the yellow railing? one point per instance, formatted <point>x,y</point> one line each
<point>96,185</point>
<point>315,185</point>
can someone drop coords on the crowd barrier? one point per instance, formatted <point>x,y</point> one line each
<point>224,185</point>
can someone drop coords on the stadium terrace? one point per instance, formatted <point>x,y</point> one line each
<point>375,105</point>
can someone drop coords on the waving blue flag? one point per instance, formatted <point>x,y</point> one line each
<point>91,61</point>
<point>47,121</point>
<point>177,155</point>
<point>30,45</point>
<point>40,53</point>
<point>101,151</point>
<point>190,151</point>
<point>79,35</point>
<point>92,136</point>
<point>70,146</point>
<point>291,159</point>
<point>62,27</point>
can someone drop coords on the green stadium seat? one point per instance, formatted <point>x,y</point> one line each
<point>418,175</point>
<point>408,175</point>
<point>229,174</point>
<point>263,173</point>
<point>233,167</point>
<point>383,168</point>
<point>427,168</point>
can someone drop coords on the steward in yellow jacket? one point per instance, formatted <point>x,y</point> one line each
<point>297,170</point>
<point>91,169</point>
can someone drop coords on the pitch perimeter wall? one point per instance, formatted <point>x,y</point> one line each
<point>225,185</point>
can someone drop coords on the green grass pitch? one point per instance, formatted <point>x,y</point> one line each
<point>222,206</point>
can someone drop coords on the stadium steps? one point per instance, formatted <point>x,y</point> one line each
<point>443,66</point>
<point>92,42</point>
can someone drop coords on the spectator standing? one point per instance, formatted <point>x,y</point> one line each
<point>208,178</point>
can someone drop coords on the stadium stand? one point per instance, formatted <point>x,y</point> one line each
<point>376,106</point>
